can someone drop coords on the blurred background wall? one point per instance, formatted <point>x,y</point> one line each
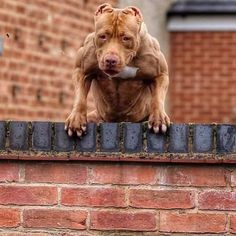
<point>202,60</point>
<point>40,39</point>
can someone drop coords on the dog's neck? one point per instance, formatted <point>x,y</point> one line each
<point>128,72</point>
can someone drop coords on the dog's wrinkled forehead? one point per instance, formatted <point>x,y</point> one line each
<point>106,14</point>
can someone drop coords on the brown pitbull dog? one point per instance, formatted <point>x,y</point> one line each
<point>125,69</point>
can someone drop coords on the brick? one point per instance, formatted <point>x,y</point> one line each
<point>161,199</point>
<point>88,142</point>
<point>56,173</point>
<point>51,218</point>
<point>9,217</point>
<point>9,172</point>
<point>202,138</point>
<point>155,142</point>
<point>42,132</point>
<point>123,174</point>
<point>110,137</point>
<point>25,234</point>
<point>2,135</point>
<point>192,223</point>
<point>179,134</point>
<point>193,176</point>
<point>226,139</point>
<point>130,221</point>
<point>217,200</point>
<point>18,135</point>
<point>233,178</point>
<point>87,196</point>
<point>25,195</point>
<point>132,137</point>
<point>80,234</point>
<point>130,233</point>
<point>62,142</point>
<point>233,223</point>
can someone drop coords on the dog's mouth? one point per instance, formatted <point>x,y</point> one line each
<point>110,72</point>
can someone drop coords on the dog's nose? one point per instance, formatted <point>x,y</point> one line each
<point>111,61</point>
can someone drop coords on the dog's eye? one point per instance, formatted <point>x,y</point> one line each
<point>125,38</point>
<point>103,37</point>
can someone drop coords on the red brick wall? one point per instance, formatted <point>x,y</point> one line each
<point>45,198</point>
<point>116,181</point>
<point>203,77</point>
<point>40,41</point>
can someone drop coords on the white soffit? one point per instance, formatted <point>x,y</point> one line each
<point>202,23</point>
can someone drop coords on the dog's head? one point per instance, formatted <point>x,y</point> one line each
<point>117,37</point>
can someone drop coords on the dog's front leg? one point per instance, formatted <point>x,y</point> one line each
<point>158,119</point>
<point>76,121</point>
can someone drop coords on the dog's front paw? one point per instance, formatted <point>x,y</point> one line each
<point>76,123</point>
<point>158,121</point>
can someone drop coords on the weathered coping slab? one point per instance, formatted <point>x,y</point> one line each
<point>190,143</point>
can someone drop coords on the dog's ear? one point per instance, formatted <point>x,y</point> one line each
<point>106,7</point>
<point>134,11</point>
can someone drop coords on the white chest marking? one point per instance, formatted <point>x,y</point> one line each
<point>127,73</point>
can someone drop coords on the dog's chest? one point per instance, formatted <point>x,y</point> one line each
<point>119,86</point>
<point>119,94</point>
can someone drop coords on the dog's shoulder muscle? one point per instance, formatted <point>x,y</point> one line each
<point>86,56</point>
<point>150,59</point>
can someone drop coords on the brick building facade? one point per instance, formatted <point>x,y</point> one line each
<point>202,61</point>
<point>39,40</point>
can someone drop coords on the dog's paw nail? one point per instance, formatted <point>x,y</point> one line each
<point>65,127</point>
<point>163,128</point>
<point>70,133</point>
<point>156,129</point>
<point>149,126</point>
<point>83,128</point>
<point>79,133</point>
